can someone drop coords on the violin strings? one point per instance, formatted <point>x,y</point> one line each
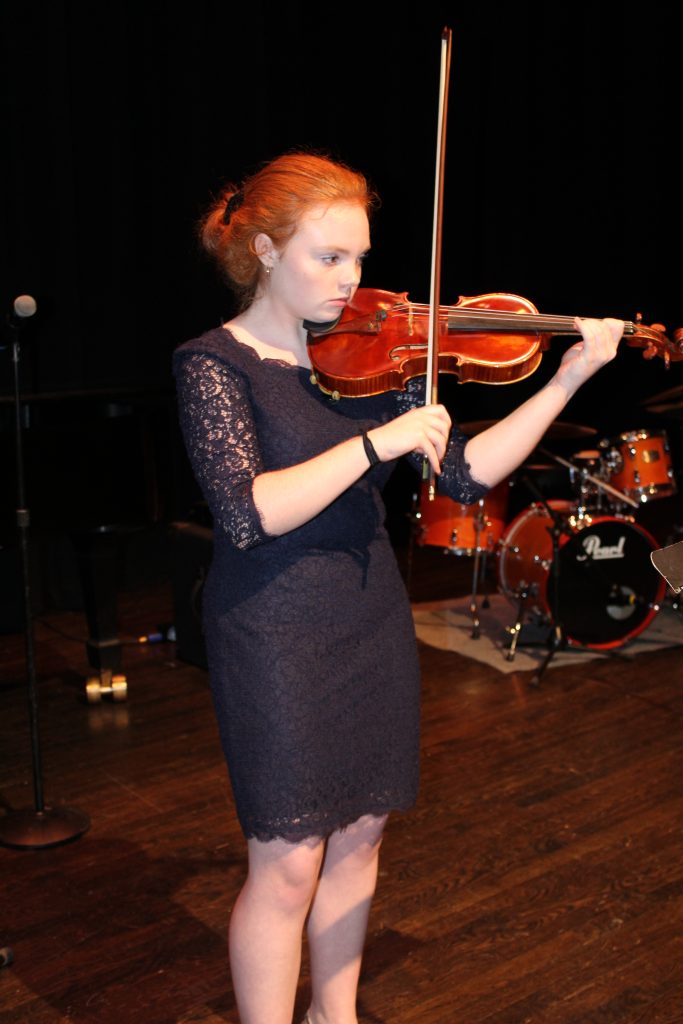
<point>421,310</point>
<point>540,321</point>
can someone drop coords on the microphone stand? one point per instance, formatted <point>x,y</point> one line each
<point>43,826</point>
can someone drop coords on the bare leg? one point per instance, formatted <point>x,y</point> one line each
<point>339,917</point>
<point>266,928</point>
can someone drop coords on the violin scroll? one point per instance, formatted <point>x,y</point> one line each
<point>654,341</point>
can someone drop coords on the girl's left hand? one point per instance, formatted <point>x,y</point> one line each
<point>599,344</point>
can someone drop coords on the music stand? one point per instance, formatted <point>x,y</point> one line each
<point>668,562</point>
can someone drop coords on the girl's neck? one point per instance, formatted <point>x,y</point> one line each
<point>269,336</point>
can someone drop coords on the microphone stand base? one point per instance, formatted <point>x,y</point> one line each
<point>39,829</point>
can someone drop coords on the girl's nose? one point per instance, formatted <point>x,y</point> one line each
<point>351,278</point>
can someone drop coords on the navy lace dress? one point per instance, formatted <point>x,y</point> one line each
<point>310,641</point>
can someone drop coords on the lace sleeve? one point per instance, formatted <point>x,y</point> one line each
<point>456,480</point>
<point>220,438</point>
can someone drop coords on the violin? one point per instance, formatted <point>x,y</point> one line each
<point>381,341</point>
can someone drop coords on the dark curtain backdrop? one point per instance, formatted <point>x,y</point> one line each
<point>121,120</point>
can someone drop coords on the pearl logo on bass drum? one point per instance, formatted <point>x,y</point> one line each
<point>597,551</point>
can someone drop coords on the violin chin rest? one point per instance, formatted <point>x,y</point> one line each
<point>313,328</point>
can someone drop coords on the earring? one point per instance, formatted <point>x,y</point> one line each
<point>268,270</point>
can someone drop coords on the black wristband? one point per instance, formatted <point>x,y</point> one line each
<point>373,457</point>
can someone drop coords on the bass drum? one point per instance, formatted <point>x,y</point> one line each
<point>608,589</point>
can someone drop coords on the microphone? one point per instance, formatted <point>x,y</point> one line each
<point>23,307</point>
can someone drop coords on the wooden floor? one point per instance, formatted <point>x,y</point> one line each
<point>539,878</point>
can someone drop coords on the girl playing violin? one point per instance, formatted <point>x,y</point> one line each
<point>311,648</point>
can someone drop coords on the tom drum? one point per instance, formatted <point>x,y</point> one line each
<point>463,529</point>
<point>639,464</point>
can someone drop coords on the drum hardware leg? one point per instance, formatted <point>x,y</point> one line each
<point>485,603</point>
<point>479,576</point>
<point>558,640</point>
<point>479,563</point>
<point>473,599</point>
<point>514,631</point>
<point>557,643</point>
<point>537,624</point>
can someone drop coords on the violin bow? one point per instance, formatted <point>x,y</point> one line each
<point>432,378</point>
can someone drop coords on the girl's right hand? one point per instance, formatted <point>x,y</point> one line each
<point>423,430</point>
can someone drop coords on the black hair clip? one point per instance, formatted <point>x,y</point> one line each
<point>234,203</point>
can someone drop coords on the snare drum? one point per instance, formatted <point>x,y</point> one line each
<point>639,463</point>
<point>608,591</point>
<point>463,529</point>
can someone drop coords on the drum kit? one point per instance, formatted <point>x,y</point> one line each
<point>578,568</point>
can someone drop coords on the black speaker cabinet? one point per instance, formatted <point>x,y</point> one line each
<point>192,547</point>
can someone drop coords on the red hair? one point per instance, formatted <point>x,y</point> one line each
<point>271,202</point>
